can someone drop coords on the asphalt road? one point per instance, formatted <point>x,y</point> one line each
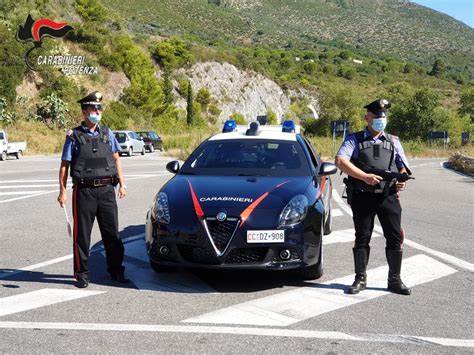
<point>222,312</point>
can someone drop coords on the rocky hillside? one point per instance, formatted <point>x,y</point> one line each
<point>246,92</point>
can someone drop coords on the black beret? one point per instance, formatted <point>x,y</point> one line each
<point>377,106</point>
<point>93,99</point>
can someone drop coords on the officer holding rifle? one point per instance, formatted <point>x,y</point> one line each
<point>377,171</point>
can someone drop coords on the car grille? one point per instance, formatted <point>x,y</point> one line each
<point>246,256</point>
<point>198,255</point>
<point>221,233</point>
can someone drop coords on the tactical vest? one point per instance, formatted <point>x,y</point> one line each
<point>374,155</point>
<point>95,159</point>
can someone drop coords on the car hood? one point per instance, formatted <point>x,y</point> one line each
<point>206,196</point>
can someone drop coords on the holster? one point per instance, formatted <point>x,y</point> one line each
<point>349,190</point>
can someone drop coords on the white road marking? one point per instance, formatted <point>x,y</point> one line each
<point>462,264</point>
<point>4,275</point>
<point>344,236</point>
<point>40,298</point>
<point>27,186</point>
<point>294,306</point>
<point>21,193</point>
<point>23,197</point>
<point>145,279</point>
<point>254,331</point>
<point>336,212</point>
<point>342,204</point>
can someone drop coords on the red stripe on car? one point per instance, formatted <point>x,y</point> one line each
<point>197,206</point>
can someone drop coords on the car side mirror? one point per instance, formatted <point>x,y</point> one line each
<point>173,167</point>
<point>327,169</point>
<point>141,138</point>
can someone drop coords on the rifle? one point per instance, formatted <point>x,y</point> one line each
<point>388,175</point>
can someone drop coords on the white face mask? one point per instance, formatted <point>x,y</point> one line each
<point>379,124</point>
<point>95,117</point>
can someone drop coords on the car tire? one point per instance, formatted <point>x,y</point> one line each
<point>18,154</point>
<point>328,222</point>
<point>160,268</point>
<point>3,156</point>
<point>143,150</point>
<point>130,151</point>
<point>315,271</point>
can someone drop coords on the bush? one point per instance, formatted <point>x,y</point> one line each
<point>238,118</point>
<point>172,53</point>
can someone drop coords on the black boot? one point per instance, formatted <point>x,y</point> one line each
<point>395,284</point>
<point>361,258</point>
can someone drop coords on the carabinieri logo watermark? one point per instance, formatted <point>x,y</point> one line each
<point>35,31</point>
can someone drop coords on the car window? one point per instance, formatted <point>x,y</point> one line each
<point>315,159</point>
<point>142,134</point>
<point>248,157</point>
<point>1,135</point>
<point>121,137</point>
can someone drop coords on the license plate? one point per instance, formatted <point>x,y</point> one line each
<point>270,236</point>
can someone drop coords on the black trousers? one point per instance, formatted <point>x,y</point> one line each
<point>365,206</point>
<point>89,203</point>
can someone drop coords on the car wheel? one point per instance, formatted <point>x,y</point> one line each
<point>143,150</point>
<point>3,156</point>
<point>152,148</point>
<point>328,222</point>
<point>18,154</point>
<point>160,268</point>
<point>315,271</point>
<point>130,151</point>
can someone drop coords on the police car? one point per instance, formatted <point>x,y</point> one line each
<point>251,197</point>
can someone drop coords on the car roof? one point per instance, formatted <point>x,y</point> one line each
<point>273,132</point>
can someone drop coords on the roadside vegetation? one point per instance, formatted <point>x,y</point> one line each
<point>426,96</point>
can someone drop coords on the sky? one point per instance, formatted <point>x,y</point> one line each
<point>462,10</point>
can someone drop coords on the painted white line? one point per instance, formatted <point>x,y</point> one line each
<point>294,306</point>
<point>416,166</point>
<point>266,332</point>
<point>27,186</point>
<point>30,181</point>
<point>145,279</point>
<point>344,236</point>
<point>336,212</point>
<point>40,298</point>
<point>21,193</point>
<point>342,204</point>
<point>462,264</point>
<point>61,259</point>
<point>23,197</point>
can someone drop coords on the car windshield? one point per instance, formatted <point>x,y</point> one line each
<point>248,157</point>
<point>121,137</point>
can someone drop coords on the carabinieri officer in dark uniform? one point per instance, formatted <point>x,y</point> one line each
<point>369,195</point>
<point>91,153</point>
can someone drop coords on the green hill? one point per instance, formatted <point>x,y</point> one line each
<point>386,27</point>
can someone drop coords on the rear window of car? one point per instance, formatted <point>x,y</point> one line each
<point>121,137</point>
<point>248,157</point>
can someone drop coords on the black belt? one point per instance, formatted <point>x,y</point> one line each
<point>96,182</point>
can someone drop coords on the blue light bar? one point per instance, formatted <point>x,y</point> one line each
<point>229,126</point>
<point>288,127</point>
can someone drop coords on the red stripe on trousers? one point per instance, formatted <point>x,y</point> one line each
<point>75,221</point>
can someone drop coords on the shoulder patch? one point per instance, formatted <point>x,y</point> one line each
<point>69,133</point>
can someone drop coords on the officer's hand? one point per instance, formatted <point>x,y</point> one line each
<point>401,185</point>
<point>62,198</point>
<point>122,192</point>
<point>372,179</point>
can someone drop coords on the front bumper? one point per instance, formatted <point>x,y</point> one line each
<point>192,248</point>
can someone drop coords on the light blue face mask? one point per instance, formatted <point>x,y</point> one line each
<point>95,117</point>
<point>379,124</point>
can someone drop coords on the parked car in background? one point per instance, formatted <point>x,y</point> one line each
<point>152,140</point>
<point>10,148</point>
<point>130,142</point>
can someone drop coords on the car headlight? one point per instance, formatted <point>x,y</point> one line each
<point>161,209</point>
<point>295,211</point>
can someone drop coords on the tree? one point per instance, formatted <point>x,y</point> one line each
<point>439,68</point>
<point>145,93</point>
<point>172,53</point>
<point>167,88</point>
<point>189,106</point>
<point>467,103</point>
<point>52,111</point>
<point>415,116</point>
<point>271,117</point>
<point>204,97</point>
